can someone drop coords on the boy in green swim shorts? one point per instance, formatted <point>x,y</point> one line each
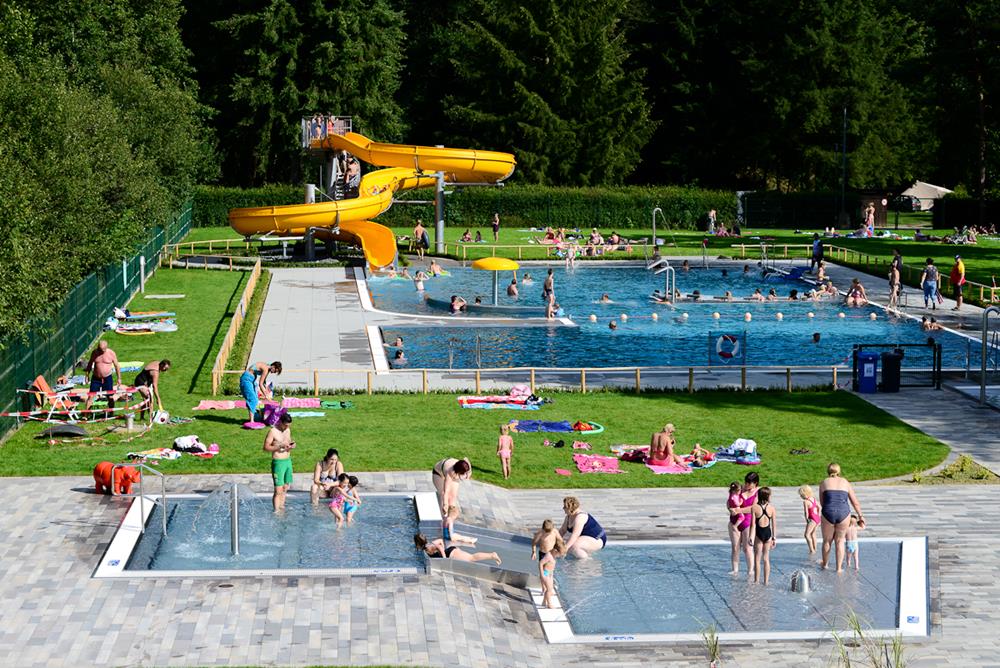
<point>279,443</point>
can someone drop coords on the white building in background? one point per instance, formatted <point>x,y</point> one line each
<point>926,193</point>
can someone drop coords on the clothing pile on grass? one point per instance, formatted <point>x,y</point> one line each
<point>520,398</point>
<point>189,444</point>
<point>554,426</point>
<point>141,322</point>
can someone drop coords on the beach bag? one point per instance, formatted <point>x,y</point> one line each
<point>189,444</point>
<point>272,414</point>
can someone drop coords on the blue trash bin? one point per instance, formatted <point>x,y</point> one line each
<point>867,372</point>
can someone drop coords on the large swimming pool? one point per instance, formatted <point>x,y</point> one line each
<point>685,335</point>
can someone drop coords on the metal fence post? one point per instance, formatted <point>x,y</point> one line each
<point>478,391</point>
<point>369,382</point>
<point>743,378</point>
<point>690,380</point>
<point>788,379</point>
<point>532,380</point>
<point>835,378</point>
<point>315,383</point>
<point>423,374</point>
<point>583,381</point>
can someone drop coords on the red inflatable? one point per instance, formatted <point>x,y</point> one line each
<point>124,477</point>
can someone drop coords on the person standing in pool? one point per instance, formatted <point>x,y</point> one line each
<point>765,535</point>
<point>748,496</point>
<point>734,501</point>
<point>512,288</point>
<point>446,475</point>
<point>546,545</point>
<point>583,534</point>
<point>325,476</point>
<point>837,496</point>
<point>548,287</point>
<point>279,444</point>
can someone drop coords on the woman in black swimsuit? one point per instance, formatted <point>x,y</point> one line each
<point>837,496</point>
<point>148,384</point>
<point>435,549</point>
<point>765,534</point>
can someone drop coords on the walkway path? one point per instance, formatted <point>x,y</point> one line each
<point>54,614</point>
<point>950,417</point>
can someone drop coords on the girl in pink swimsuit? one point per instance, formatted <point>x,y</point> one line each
<point>505,448</point>
<point>748,498</point>
<point>734,501</point>
<point>811,510</point>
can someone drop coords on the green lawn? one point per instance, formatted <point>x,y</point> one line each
<point>411,432</point>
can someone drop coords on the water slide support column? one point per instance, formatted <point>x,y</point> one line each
<point>439,214</point>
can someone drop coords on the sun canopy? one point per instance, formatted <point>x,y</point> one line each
<point>495,264</point>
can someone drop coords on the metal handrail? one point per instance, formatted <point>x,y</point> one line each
<point>982,375</point>
<point>142,509</point>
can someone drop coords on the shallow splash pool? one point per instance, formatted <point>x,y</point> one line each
<point>685,335</point>
<point>302,540</point>
<point>673,590</point>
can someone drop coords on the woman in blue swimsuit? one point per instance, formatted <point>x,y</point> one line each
<point>584,535</point>
<point>837,497</point>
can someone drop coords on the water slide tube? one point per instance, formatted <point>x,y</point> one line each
<point>347,220</point>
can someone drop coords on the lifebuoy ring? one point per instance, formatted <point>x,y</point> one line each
<point>727,347</point>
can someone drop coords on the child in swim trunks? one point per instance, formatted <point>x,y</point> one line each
<point>853,551</point>
<point>811,510</point>
<point>448,531</point>
<point>546,546</point>
<point>505,448</point>
<point>352,499</point>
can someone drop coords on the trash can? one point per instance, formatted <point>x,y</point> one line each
<point>867,372</point>
<point>892,363</point>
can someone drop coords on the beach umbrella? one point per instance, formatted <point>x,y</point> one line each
<point>496,265</point>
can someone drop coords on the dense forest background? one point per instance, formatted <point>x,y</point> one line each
<point>717,93</point>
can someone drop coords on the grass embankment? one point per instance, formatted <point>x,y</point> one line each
<point>411,432</point>
<point>963,470</point>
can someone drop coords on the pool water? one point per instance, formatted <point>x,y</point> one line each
<point>685,335</point>
<point>304,537</point>
<point>644,589</point>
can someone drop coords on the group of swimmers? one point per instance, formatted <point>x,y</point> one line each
<point>753,523</point>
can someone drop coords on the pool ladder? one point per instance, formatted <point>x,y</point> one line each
<point>142,497</point>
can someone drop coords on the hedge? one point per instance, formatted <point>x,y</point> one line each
<point>953,211</point>
<point>540,206</point>
<point>211,204</point>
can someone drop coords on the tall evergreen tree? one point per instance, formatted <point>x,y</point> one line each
<point>300,58</point>
<point>547,81</point>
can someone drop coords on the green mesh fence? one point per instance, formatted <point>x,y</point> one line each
<point>54,346</point>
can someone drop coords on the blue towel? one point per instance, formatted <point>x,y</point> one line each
<point>542,425</point>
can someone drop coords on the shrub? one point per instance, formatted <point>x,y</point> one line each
<point>211,204</point>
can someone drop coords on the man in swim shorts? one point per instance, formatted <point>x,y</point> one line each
<point>103,362</point>
<point>279,443</point>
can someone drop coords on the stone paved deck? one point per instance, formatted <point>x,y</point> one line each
<point>54,614</point>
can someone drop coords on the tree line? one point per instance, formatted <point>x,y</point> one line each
<point>719,93</point>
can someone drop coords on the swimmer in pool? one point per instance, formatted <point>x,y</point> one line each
<point>457,304</point>
<point>757,296</point>
<point>527,280</point>
<point>816,337</point>
<point>398,343</point>
<point>606,299</point>
<point>399,359</point>
<point>612,325</point>
<point>545,547</point>
<point>772,295</point>
<point>728,296</point>
<point>660,297</point>
<point>418,281</point>
<point>696,296</point>
<point>930,325</point>
<point>685,266</point>
<point>793,296</point>
<point>405,274</point>
<point>512,289</point>
<point>435,268</point>
<point>477,300</point>
<point>551,309</point>
<point>746,270</point>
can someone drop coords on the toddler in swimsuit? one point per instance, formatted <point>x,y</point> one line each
<point>811,509</point>
<point>546,546</point>
<point>505,448</point>
<point>853,551</point>
<point>345,500</point>
<point>447,528</point>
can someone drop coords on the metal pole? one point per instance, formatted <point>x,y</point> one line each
<point>843,167</point>
<point>439,213</point>
<point>234,521</point>
<point>654,224</point>
<point>982,375</point>
<point>496,287</point>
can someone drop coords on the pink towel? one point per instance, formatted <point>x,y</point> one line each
<point>596,464</point>
<point>220,405</point>
<point>564,472</point>
<point>295,402</point>
<point>672,468</point>
<point>581,445</point>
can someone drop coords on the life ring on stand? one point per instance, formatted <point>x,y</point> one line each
<point>727,346</point>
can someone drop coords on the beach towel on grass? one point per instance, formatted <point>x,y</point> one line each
<point>336,405</point>
<point>672,468</point>
<point>508,406</point>
<point>305,414</point>
<point>596,464</point>
<point>219,405</point>
<point>524,426</point>
<point>296,402</point>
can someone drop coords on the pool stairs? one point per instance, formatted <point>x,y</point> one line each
<point>517,568</point>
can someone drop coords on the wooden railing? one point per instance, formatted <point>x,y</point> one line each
<point>218,368</point>
<point>531,375</point>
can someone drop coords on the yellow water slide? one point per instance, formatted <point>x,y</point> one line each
<point>349,220</point>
